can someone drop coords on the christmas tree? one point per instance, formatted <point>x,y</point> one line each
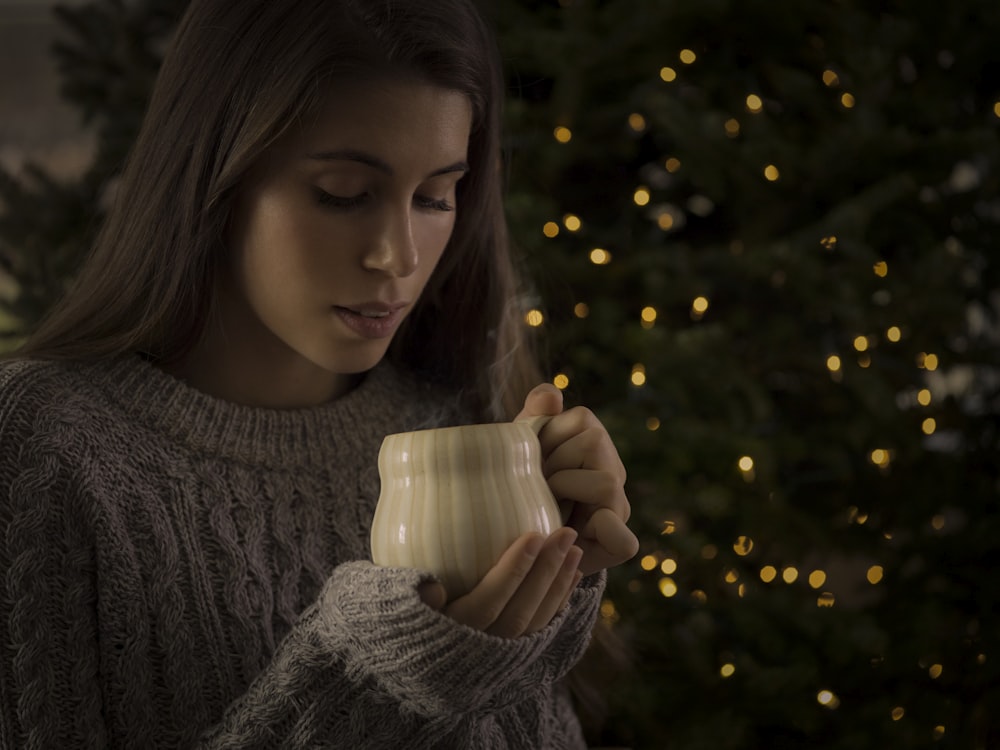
<point>760,236</point>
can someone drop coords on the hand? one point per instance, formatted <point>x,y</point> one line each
<point>529,585</point>
<point>582,465</point>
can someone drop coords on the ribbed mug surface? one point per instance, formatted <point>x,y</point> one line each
<point>454,498</point>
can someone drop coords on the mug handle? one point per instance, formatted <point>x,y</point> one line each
<point>536,424</point>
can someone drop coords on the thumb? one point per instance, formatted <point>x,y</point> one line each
<point>432,594</point>
<point>543,400</point>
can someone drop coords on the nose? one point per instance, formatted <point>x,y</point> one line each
<point>393,251</point>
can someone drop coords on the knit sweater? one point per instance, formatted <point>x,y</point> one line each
<point>180,571</point>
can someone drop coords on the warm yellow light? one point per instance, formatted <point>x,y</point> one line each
<point>768,573</point>
<point>894,334</point>
<point>700,305</point>
<point>665,221</point>
<point>826,599</point>
<point>572,223</point>
<point>754,103</point>
<point>898,712</point>
<point>669,527</point>
<point>864,361</point>
<point>771,173</point>
<point>830,78</point>
<point>709,552</point>
<point>608,610</point>
<point>847,100</point>
<point>745,463</point>
<point>743,545</point>
<point>924,397</point>
<point>636,122</point>
<point>648,562</point>
<point>652,424</point>
<point>581,310</point>
<point>534,318</point>
<point>687,56</point>
<point>563,134</point>
<point>789,575</point>
<point>561,382</point>
<point>833,363</point>
<point>638,375</point>
<point>938,522</point>
<point>929,426</point>
<point>939,731</point>
<point>875,574</point>
<point>667,586</point>
<point>732,127</point>
<point>731,576</point>
<point>880,457</point>
<point>861,343</point>
<point>672,164</point>
<point>600,257</point>
<point>668,74</point>
<point>649,314</point>
<point>551,229</point>
<point>641,196</point>
<point>935,671</point>
<point>930,362</point>
<point>727,670</point>
<point>668,566</point>
<point>827,698</point>
<point>817,578</point>
<point>829,242</point>
<point>699,596</point>
<point>996,109</point>
<point>881,269</point>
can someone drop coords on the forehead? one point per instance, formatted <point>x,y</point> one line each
<point>395,119</point>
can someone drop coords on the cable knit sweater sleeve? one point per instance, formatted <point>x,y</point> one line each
<point>188,582</point>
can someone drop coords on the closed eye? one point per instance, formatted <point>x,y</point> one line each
<point>435,204</point>
<point>345,203</point>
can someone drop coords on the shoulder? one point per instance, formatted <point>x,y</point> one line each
<point>27,387</point>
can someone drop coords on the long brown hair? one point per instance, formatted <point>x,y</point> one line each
<point>239,75</point>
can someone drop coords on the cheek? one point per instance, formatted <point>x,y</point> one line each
<point>434,239</point>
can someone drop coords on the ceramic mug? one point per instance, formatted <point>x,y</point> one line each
<point>454,498</point>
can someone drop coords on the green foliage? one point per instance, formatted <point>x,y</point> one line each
<point>903,173</point>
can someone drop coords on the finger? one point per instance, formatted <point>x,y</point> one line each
<point>486,602</point>
<point>577,577</point>
<point>606,542</point>
<point>432,594</point>
<point>577,440</point>
<point>542,400</point>
<point>524,604</point>
<point>590,490</point>
<point>559,592</point>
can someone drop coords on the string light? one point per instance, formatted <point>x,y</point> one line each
<point>935,671</point>
<point>581,310</point>
<point>881,269</point>
<point>600,257</point>
<point>732,126</point>
<point>745,463</point>
<point>929,426</point>
<point>641,196</point>
<point>572,223</point>
<point>668,566</point>
<point>636,122</point>
<point>827,698</point>
<point>648,316</point>
<point>699,596</point>
<point>880,457</point>
<point>727,670</point>
<point>550,229</point>
<point>768,573</point>
<point>754,103</point>
<point>938,523</point>
<point>830,78</point>
<point>561,381</point>
<point>534,318</point>
<point>668,74</point>
<point>699,306</point>
<point>648,562</point>
<point>669,527</point>
<point>563,134</point>
<point>924,397</point>
<point>898,713</point>
<point>790,574</point>
<point>875,574</point>
<point>652,424</point>
<point>668,587</point>
<point>847,100</point>
<point>731,576</point>
<point>771,173</point>
<point>638,375</point>
<point>825,600</point>
<point>861,343</point>
<point>743,546</point>
<point>996,108</point>
<point>927,361</point>
<point>687,56</point>
<point>833,363</point>
<point>609,612</point>
<point>665,221</point>
<point>939,731</point>
<point>829,242</point>
<point>894,334</point>
<point>672,164</point>
<point>709,552</point>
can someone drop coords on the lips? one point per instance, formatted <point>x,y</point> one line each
<point>372,320</point>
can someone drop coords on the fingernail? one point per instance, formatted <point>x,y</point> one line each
<point>567,541</point>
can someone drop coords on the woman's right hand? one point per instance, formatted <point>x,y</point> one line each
<point>529,585</point>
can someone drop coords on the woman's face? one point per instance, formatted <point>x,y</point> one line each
<point>337,231</point>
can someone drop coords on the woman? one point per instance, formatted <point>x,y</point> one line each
<point>306,252</point>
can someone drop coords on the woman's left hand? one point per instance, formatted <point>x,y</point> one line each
<point>582,465</point>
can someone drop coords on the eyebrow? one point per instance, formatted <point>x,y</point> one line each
<point>363,157</point>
